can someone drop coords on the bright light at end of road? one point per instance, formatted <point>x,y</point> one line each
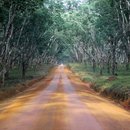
<point>61,64</point>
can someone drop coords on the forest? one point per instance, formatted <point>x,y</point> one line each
<point>94,33</point>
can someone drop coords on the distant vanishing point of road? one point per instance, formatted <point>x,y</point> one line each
<point>62,103</point>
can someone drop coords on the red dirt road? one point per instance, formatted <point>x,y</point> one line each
<point>64,103</point>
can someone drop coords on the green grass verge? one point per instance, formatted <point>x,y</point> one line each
<point>119,88</point>
<point>16,84</point>
<point>16,77</point>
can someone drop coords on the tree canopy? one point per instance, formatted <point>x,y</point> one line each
<point>96,32</point>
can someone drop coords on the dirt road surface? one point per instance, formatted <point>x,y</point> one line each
<point>62,101</point>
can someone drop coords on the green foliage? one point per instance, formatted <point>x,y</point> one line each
<point>119,86</point>
<point>94,32</point>
<point>86,73</point>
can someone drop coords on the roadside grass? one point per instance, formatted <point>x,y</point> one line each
<point>117,88</point>
<point>16,77</point>
<point>15,84</point>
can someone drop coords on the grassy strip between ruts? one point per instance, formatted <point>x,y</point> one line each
<point>15,84</point>
<point>117,88</point>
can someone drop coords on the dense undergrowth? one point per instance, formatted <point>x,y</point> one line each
<point>115,87</point>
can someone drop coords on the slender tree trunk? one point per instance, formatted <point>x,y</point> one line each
<point>7,74</point>
<point>128,62</point>
<point>127,52</point>
<point>101,65</point>
<point>23,70</point>
<point>113,58</point>
<point>101,70</point>
<point>94,65</point>
<point>21,30</point>
<point>3,76</point>
<point>108,64</point>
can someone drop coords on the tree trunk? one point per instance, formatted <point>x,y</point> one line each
<point>101,65</point>
<point>23,70</point>
<point>127,51</point>
<point>101,71</point>
<point>7,75</point>
<point>94,65</point>
<point>128,62</point>
<point>113,57</point>
<point>3,76</point>
<point>108,65</point>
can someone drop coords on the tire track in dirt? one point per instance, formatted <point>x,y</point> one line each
<point>26,118</point>
<point>110,115</point>
<point>79,117</point>
<point>65,104</point>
